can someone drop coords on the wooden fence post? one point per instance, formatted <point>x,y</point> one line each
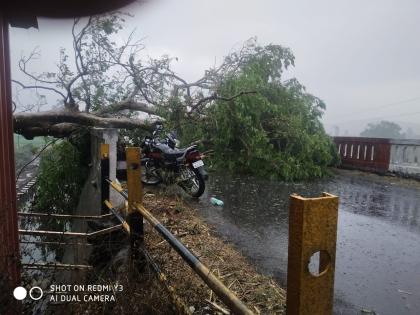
<point>135,195</point>
<point>312,241</point>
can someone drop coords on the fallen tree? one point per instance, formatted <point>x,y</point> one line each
<point>63,123</point>
<point>107,84</point>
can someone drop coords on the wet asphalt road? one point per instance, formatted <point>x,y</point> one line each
<point>378,241</point>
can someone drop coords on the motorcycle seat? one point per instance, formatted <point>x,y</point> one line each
<point>174,153</point>
<point>170,153</point>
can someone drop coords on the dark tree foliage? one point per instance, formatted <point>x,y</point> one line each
<point>275,132</point>
<point>383,129</point>
<point>62,173</point>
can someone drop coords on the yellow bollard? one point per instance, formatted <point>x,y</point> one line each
<point>135,196</point>
<point>312,237</point>
<point>133,177</point>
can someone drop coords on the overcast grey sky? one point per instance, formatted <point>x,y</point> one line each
<point>362,57</point>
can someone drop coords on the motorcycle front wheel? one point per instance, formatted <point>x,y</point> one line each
<point>149,175</point>
<point>195,184</point>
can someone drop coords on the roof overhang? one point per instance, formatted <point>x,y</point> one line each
<point>24,13</point>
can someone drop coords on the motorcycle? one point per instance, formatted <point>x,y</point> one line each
<point>164,162</point>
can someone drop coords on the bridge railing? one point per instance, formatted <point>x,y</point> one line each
<point>312,242</point>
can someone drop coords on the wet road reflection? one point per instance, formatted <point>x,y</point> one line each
<point>378,245</point>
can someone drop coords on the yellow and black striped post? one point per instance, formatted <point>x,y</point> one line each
<point>135,196</point>
<point>104,151</point>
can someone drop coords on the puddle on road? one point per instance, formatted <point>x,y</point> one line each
<point>378,251</point>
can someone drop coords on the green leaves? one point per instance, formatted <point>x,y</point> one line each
<point>275,133</point>
<point>61,178</point>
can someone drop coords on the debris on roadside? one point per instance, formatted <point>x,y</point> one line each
<point>216,202</point>
<point>260,293</point>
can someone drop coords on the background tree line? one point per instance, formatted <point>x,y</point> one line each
<point>385,129</point>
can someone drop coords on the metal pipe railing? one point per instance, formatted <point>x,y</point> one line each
<point>70,234</point>
<point>118,215</point>
<point>64,216</point>
<point>226,295</point>
<point>55,243</point>
<point>180,305</point>
<point>55,266</point>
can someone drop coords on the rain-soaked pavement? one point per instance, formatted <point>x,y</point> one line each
<point>378,244</point>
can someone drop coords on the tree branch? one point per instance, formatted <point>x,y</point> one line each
<point>39,87</point>
<point>22,66</point>
<point>80,66</point>
<point>216,97</point>
<point>58,130</point>
<point>41,119</point>
<point>127,104</point>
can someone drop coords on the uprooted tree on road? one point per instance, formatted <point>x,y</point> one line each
<point>255,121</point>
<point>105,83</point>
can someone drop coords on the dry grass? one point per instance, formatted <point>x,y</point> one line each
<point>261,293</point>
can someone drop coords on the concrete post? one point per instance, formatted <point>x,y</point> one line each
<point>90,197</point>
<point>109,136</point>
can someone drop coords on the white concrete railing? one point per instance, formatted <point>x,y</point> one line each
<point>405,157</point>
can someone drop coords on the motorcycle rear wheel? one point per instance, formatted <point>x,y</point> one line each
<point>195,185</point>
